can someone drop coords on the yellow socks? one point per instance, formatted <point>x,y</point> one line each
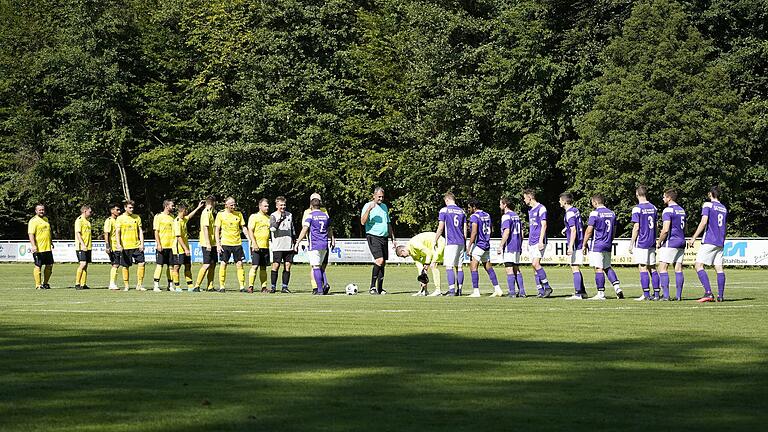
<point>47,274</point>
<point>211,275</point>
<point>222,276</point>
<point>36,275</point>
<point>113,275</point>
<point>200,276</point>
<point>126,276</point>
<point>84,277</point>
<point>158,272</point>
<point>140,275</point>
<point>262,276</point>
<point>78,275</point>
<point>188,276</point>
<point>252,276</point>
<point>241,276</point>
<point>436,277</point>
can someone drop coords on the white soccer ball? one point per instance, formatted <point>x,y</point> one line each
<point>351,289</point>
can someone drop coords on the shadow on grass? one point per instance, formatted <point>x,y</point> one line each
<point>197,379</point>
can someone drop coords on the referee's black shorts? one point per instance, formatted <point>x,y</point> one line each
<point>378,245</point>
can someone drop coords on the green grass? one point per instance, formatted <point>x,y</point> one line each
<point>113,361</point>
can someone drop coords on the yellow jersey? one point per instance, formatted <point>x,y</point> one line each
<point>180,234</point>
<point>163,224</point>
<point>422,248</point>
<point>206,220</point>
<point>110,227</point>
<point>129,226</point>
<point>259,224</point>
<point>40,227</point>
<point>83,226</point>
<point>231,225</point>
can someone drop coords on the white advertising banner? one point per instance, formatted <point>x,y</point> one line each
<point>737,252</point>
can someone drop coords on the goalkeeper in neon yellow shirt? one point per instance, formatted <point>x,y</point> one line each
<point>424,253</point>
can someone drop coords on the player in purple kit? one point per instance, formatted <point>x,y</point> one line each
<point>714,218</point>
<point>511,247</point>
<point>537,240</point>
<point>479,247</point>
<point>574,236</point>
<point>601,223</point>
<point>453,220</point>
<point>671,244</point>
<point>317,229</point>
<point>643,243</point>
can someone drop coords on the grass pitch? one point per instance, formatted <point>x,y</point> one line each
<point>142,361</point>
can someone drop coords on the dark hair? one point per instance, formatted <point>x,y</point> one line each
<point>506,201</point>
<point>671,193</point>
<point>315,203</point>
<point>181,207</point>
<point>598,198</point>
<point>166,203</point>
<point>473,202</point>
<point>530,191</point>
<point>280,199</point>
<point>715,191</point>
<point>567,197</point>
<point>642,191</point>
<point>84,207</point>
<point>210,199</point>
<point>114,205</point>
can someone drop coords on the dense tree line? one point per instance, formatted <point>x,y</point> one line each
<point>103,99</point>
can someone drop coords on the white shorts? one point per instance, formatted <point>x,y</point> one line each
<point>512,257</point>
<point>453,255</point>
<point>577,258</point>
<point>535,253</point>
<point>600,259</point>
<point>316,257</point>
<point>645,256</point>
<point>671,255</point>
<point>710,255</point>
<point>480,255</point>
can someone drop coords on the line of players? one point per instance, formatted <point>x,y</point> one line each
<point>595,242</point>
<point>219,239</point>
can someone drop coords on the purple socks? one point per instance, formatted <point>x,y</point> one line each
<point>679,280</point>
<point>577,281</point>
<point>664,282</point>
<point>520,286</point>
<point>492,277</point>
<point>318,275</point>
<point>702,274</point>
<point>475,279</point>
<point>720,284</point>
<point>645,283</point>
<point>600,281</point>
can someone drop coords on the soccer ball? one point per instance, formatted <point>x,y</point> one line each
<point>351,289</point>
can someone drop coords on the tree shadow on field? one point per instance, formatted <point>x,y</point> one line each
<point>200,379</point>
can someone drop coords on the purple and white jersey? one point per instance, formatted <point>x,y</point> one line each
<point>573,219</point>
<point>676,217</point>
<point>604,222</point>
<point>483,221</point>
<point>511,221</point>
<point>454,218</point>
<point>645,215</point>
<point>536,216</point>
<point>718,218</point>
<point>318,222</point>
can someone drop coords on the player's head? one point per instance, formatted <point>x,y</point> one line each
<point>168,206</point>
<point>714,192</point>
<point>529,197</point>
<point>473,204</point>
<point>315,203</point>
<point>182,210</point>
<point>641,192</point>
<point>670,195</point>
<point>402,251</point>
<point>378,194</point>
<point>114,209</point>
<point>128,206</point>
<point>230,204</point>
<point>597,200</point>
<point>505,203</point>
<point>85,210</point>
<point>210,201</point>
<point>449,198</point>
<point>40,209</point>
<point>314,195</point>
<point>264,205</point>
<point>280,203</point>
<point>566,200</point>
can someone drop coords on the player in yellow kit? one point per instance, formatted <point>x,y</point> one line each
<point>130,243</point>
<point>39,231</point>
<point>229,224</point>
<point>110,242</point>
<point>207,243</point>
<point>83,246</point>
<point>162,225</point>
<point>182,254</point>
<point>258,238</point>
<point>421,248</point>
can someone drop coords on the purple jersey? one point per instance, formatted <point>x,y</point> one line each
<point>604,222</point>
<point>536,216</point>
<point>318,222</point>
<point>511,221</point>
<point>573,219</point>
<point>645,215</point>
<point>483,221</point>
<point>676,217</point>
<point>454,218</point>
<point>718,218</point>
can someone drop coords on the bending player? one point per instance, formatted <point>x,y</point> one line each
<point>479,247</point>
<point>422,249</point>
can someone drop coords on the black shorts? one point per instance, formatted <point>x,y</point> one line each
<point>43,258</point>
<point>378,245</point>
<point>210,256</point>
<point>164,257</point>
<point>236,252</point>
<point>114,258</point>
<point>130,256</point>
<point>260,257</point>
<point>283,256</point>
<point>182,259</point>
<point>83,256</point>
